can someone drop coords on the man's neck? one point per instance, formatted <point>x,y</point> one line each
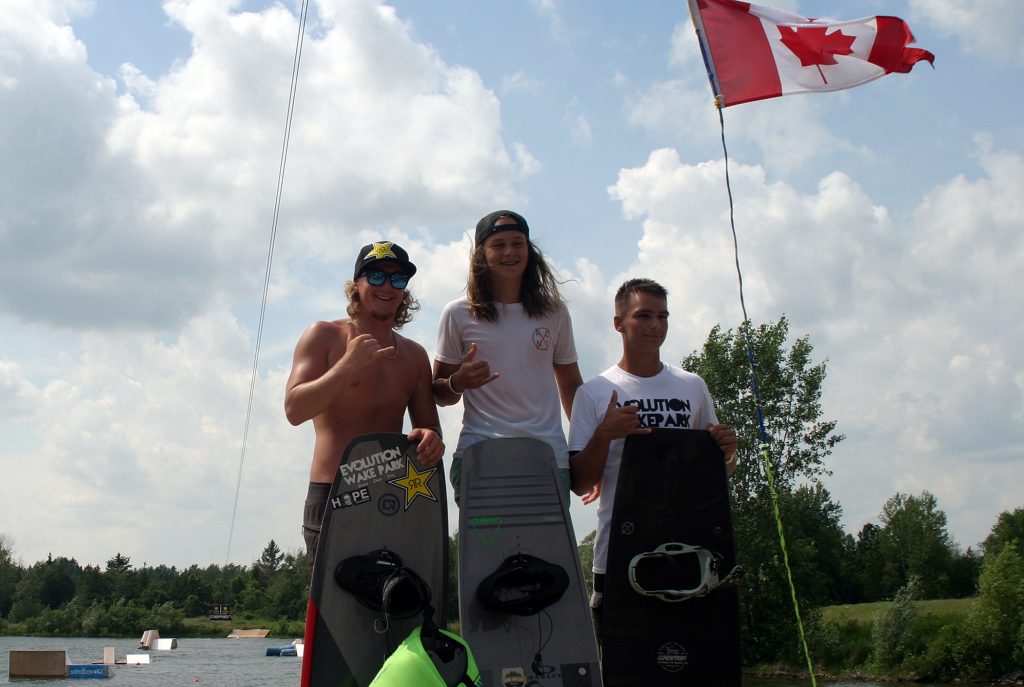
<point>641,365</point>
<point>506,291</point>
<point>382,330</point>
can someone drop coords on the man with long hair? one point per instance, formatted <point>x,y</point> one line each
<point>506,348</point>
<point>358,375</point>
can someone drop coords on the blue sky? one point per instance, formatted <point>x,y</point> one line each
<point>141,143</point>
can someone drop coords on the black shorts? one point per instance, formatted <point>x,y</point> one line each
<point>313,515</point>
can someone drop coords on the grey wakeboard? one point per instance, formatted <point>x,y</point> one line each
<point>382,499</point>
<point>523,603</point>
<point>671,606</point>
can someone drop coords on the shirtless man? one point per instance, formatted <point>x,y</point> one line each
<point>357,375</point>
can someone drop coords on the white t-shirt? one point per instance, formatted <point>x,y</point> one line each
<point>673,398</point>
<point>524,401</point>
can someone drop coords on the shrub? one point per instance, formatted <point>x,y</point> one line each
<point>997,619</point>
<point>892,633</point>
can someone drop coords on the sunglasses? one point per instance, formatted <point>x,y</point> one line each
<point>378,277</point>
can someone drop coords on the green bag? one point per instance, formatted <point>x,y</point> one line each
<point>439,659</point>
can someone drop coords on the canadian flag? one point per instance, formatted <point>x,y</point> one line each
<point>754,52</point>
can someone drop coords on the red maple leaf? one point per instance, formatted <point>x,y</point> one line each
<point>814,47</point>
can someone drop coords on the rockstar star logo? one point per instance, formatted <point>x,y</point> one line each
<point>415,483</point>
<point>380,251</point>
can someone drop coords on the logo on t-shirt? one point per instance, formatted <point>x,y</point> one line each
<point>542,338</point>
<point>671,413</point>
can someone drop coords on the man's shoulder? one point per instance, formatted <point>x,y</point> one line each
<point>325,328</point>
<point>458,309</point>
<point>410,344</point>
<point>680,373</point>
<point>602,381</point>
<point>460,303</point>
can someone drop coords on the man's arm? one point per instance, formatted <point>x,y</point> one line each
<point>441,384</point>
<point>470,373</point>
<point>312,386</point>
<point>423,416</point>
<point>725,437</point>
<point>568,378</point>
<point>587,466</point>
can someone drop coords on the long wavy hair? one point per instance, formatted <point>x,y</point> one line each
<point>538,291</point>
<point>408,306</point>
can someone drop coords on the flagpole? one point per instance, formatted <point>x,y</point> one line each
<point>705,53</point>
<point>720,104</point>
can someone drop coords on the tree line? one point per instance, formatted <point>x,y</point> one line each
<point>908,554</point>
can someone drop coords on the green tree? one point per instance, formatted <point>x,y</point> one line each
<point>586,549</point>
<point>271,559</point>
<point>190,592</point>
<point>452,602</point>
<point>816,537</point>
<point>122,579</point>
<point>46,585</point>
<point>892,632</point>
<point>963,574</point>
<point>914,543</point>
<point>119,563</point>
<point>797,443</point>
<point>869,563</point>
<point>1009,527</point>
<point>790,385</point>
<point>59,580</point>
<point>94,587</point>
<point>999,613</point>
<point>10,575</point>
<point>288,592</point>
<point>27,601</point>
<point>990,644</point>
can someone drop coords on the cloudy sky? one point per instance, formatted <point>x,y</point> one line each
<point>141,143</point>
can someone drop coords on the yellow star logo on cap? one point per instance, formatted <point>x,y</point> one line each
<point>415,483</point>
<point>380,251</point>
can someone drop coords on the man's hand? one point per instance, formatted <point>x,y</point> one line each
<point>430,447</point>
<point>362,351</point>
<point>620,422</point>
<point>725,437</point>
<point>472,373</point>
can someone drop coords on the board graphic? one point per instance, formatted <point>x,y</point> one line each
<point>382,500</point>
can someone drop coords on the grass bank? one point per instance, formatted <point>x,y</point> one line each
<point>866,613</point>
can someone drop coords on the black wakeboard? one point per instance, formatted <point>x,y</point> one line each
<point>671,538</point>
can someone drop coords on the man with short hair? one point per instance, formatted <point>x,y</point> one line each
<point>607,409</point>
<point>357,375</point>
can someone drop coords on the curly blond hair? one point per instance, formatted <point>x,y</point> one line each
<point>408,306</point>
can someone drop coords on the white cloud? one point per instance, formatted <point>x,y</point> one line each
<point>153,205</point>
<point>990,28</point>
<point>141,449</point>
<point>18,397</point>
<point>551,12</point>
<point>580,131</point>
<point>520,82</point>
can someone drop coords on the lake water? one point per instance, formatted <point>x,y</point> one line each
<point>212,662</point>
<point>220,663</point>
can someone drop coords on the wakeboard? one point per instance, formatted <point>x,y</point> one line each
<point>671,605</point>
<point>385,509</point>
<point>523,602</point>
